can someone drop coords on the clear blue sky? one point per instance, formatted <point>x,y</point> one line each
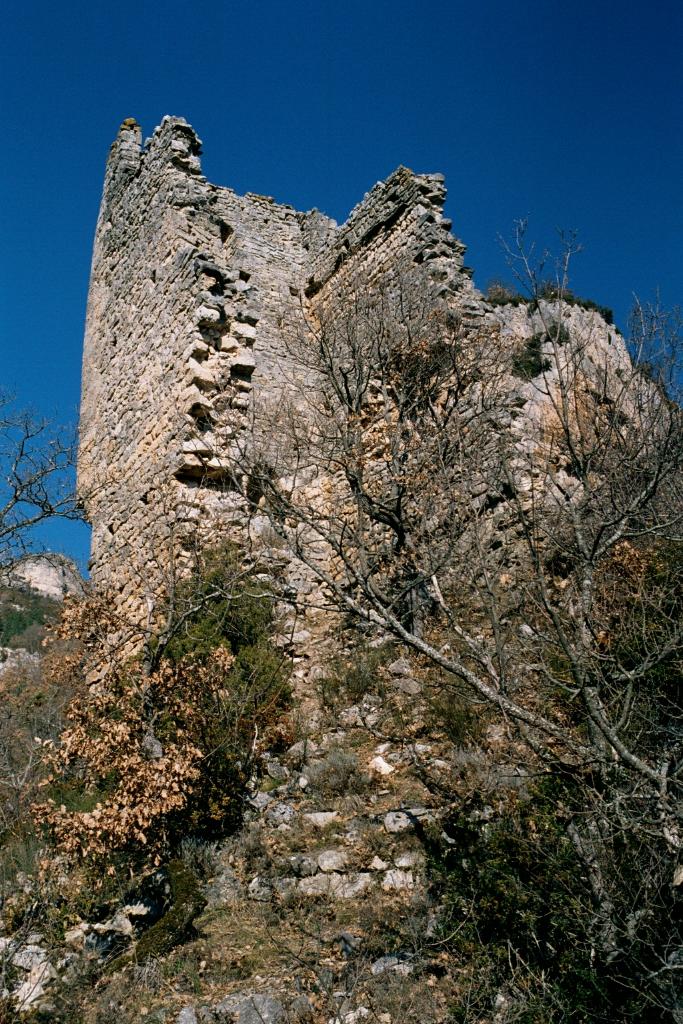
<point>569,113</point>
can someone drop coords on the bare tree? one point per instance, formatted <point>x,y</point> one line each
<point>509,507</point>
<point>36,482</point>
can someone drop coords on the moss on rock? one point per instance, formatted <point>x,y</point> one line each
<point>187,901</point>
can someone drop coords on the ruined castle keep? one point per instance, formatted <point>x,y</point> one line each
<point>192,286</point>
<point>193,291</point>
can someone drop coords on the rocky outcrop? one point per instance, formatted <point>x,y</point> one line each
<point>50,574</point>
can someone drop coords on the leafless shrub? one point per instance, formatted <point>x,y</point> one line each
<point>336,774</point>
<point>199,855</point>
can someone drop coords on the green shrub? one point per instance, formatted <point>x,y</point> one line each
<point>351,678</point>
<point>222,604</point>
<point>633,627</point>
<point>558,333</point>
<point>530,362</point>
<point>454,713</point>
<point>234,611</point>
<point>519,916</point>
<point>20,851</point>
<point>549,291</point>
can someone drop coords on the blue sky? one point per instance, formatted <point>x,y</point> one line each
<point>569,114</point>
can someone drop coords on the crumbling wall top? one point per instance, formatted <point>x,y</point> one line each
<point>408,206</point>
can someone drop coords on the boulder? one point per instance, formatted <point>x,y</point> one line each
<point>332,860</point>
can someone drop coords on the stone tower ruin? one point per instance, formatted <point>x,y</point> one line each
<point>194,291</point>
<point>192,287</point>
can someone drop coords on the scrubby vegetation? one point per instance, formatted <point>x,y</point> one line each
<point>530,362</point>
<point>338,773</point>
<point>506,930</point>
<point>519,912</point>
<point>500,294</point>
<point>23,617</point>
<point>350,679</point>
<point>160,747</point>
<point>115,765</point>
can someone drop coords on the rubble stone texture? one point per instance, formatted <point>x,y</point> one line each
<point>193,292</point>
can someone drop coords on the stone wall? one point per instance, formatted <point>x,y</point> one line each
<point>193,292</point>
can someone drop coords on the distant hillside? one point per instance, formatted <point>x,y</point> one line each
<point>30,596</point>
<point>23,616</point>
